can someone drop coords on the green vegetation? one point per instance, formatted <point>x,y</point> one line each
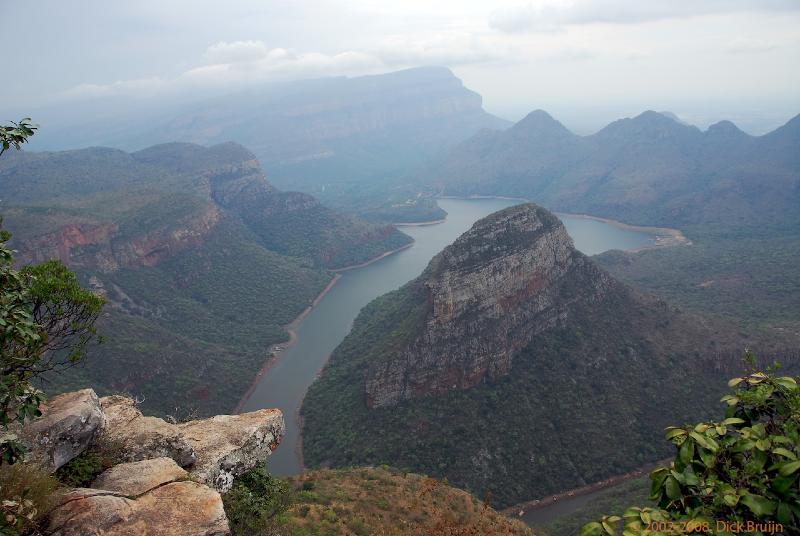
<point>315,232</point>
<point>359,502</point>
<point>617,368</point>
<point>406,209</point>
<point>748,275</point>
<point>742,469</point>
<point>191,332</point>
<point>47,321</point>
<point>46,324</point>
<point>256,503</point>
<point>201,260</point>
<point>15,134</point>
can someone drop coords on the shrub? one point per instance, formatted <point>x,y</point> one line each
<point>83,469</point>
<point>255,502</point>
<point>741,473</point>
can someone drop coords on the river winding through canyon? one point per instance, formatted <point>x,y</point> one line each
<point>283,385</point>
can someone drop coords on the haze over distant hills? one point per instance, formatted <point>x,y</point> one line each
<point>339,138</point>
<point>650,169</point>
<point>201,258</point>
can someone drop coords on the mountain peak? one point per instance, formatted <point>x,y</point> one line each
<point>648,124</point>
<point>540,122</point>
<point>653,117</point>
<point>509,229</point>
<point>725,129</point>
<point>502,282</point>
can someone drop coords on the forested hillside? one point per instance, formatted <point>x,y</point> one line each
<point>506,357</point>
<point>648,170</point>
<point>202,261</point>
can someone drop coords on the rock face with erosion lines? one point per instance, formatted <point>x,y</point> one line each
<point>170,476</point>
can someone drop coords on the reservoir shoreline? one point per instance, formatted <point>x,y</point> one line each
<point>663,236</point>
<point>522,508</point>
<point>291,327</point>
<point>420,223</point>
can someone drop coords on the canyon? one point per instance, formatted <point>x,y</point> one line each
<point>506,356</point>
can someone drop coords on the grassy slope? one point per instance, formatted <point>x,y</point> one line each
<point>379,501</point>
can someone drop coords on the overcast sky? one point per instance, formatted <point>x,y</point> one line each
<point>585,61</point>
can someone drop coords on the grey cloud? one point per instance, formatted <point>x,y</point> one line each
<point>548,17</point>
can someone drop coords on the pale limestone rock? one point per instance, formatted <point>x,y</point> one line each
<point>178,508</point>
<point>141,437</point>
<point>135,478</point>
<point>229,445</point>
<point>68,424</point>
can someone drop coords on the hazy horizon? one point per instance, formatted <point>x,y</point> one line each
<point>585,62</point>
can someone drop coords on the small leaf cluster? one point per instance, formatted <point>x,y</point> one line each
<point>16,134</point>
<point>744,468</point>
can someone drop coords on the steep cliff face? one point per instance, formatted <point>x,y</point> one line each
<point>488,295</point>
<point>103,247</point>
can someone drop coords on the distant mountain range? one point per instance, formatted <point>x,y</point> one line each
<point>651,169</point>
<point>201,258</point>
<point>348,141</point>
<point>506,358</point>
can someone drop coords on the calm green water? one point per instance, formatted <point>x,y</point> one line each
<point>285,384</point>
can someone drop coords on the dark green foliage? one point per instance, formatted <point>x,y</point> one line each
<point>15,134</point>
<point>191,332</point>
<point>743,468</point>
<point>315,232</point>
<point>80,471</point>
<point>748,275</point>
<point>255,503</point>
<point>612,377</point>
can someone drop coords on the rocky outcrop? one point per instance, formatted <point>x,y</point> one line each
<point>135,478</point>
<point>139,437</point>
<point>509,278</point>
<point>176,508</point>
<point>216,450</point>
<point>229,445</point>
<point>68,425</point>
<point>149,492</point>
